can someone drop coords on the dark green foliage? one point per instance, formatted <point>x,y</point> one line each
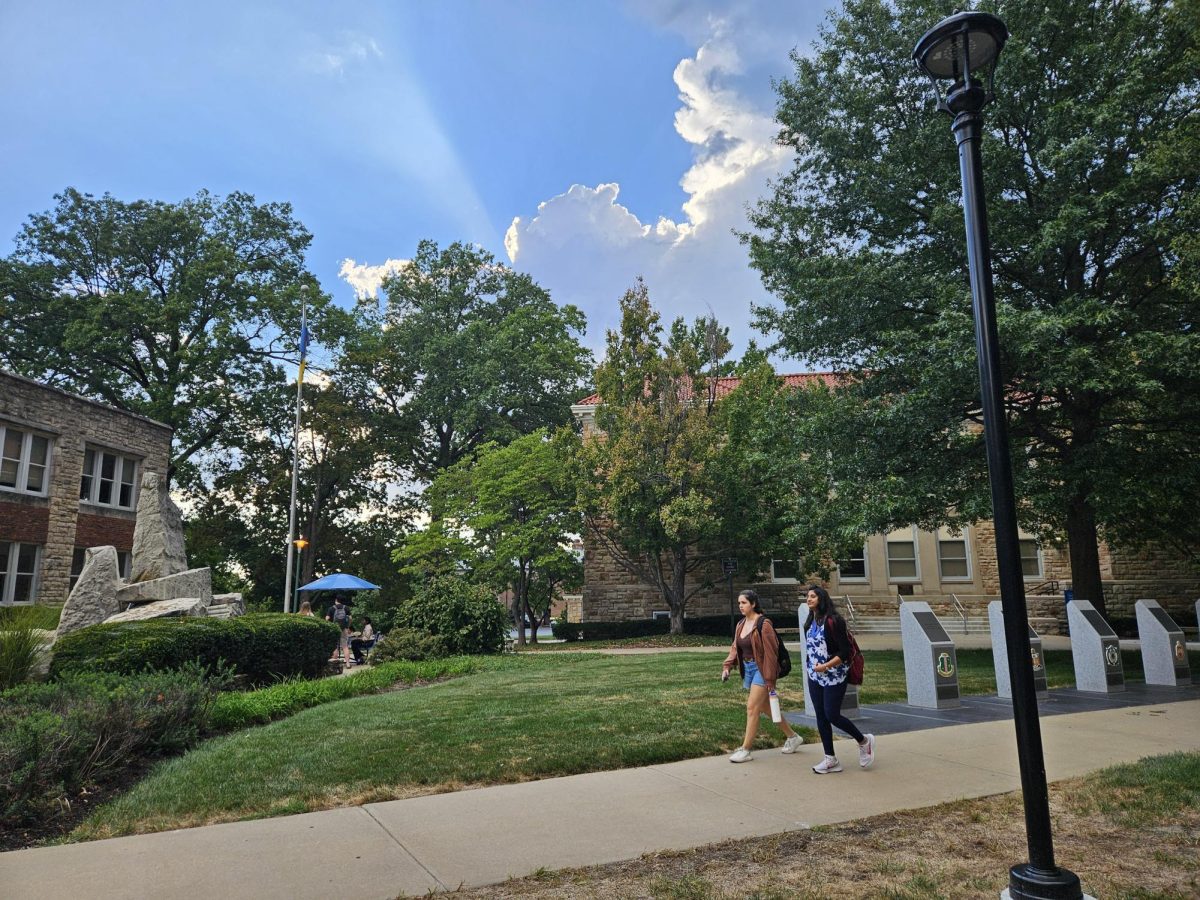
<point>408,644</point>
<point>611,631</point>
<point>20,643</point>
<point>57,738</point>
<point>262,647</point>
<point>39,615</point>
<point>466,616</point>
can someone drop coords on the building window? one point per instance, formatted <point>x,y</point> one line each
<point>1031,558</point>
<point>18,572</point>
<point>854,568</point>
<point>785,570</point>
<point>79,557</point>
<point>902,561</point>
<point>108,479</point>
<point>24,460</point>
<point>954,562</point>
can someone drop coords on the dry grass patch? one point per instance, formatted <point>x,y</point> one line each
<point>1128,832</point>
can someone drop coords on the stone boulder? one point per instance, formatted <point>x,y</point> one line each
<point>221,611</point>
<point>192,583</point>
<point>233,603</point>
<point>158,535</point>
<point>94,597</point>
<point>162,609</point>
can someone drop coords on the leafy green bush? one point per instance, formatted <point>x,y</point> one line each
<point>20,644</point>
<point>39,615</point>
<point>467,617</point>
<point>611,631</point>
<point>408,644</point>
<point>241,709</point>
<point>60,737</point>
<point>263,647</point>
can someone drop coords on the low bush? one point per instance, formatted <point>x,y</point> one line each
<point>611,631</point>
<point>408,644</point>
<point>465,616</point>
<point>262,647</point>
<point>58,738</point>
<point>21,643</point>
<point>241,709</point>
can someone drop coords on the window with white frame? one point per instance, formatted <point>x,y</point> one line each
<point>24,460</point>
<point>902,562</point>
<point>1031,555</point>
<point>785,570</point>
<point>18,572</point>
<point>854,567</point>
<point>108,478</point>
<point>954,559</point>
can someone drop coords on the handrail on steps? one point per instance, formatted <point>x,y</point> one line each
<point>849,604</point>
<point>961,610</point>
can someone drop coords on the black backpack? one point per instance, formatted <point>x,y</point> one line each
<point>785,658</point>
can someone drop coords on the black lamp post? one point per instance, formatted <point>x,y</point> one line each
<point>963,50</point>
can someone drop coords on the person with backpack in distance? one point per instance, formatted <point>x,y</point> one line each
<point>339,615</point>
<point>757,652</point>
<point>827,657</point>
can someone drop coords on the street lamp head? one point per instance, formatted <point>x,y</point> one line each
<point>300,543</point>
<point>962,50</point>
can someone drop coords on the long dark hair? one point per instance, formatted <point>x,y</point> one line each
<point>752,596</point>
<point>825,607</point>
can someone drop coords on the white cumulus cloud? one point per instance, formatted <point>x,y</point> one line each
<point>366,279</point>
<point>587,248</point>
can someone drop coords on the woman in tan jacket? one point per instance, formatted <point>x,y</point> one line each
<point>755,651</point>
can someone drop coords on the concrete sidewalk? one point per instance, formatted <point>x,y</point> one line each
<point>483,836</point>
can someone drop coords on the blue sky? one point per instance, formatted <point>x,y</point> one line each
<point>584,143</point>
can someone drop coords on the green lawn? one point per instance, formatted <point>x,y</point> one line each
<point>520,717</point>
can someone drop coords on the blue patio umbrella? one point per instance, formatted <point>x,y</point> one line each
<point>340,581</point>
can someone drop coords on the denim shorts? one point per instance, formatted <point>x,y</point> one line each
<point>751,675</point>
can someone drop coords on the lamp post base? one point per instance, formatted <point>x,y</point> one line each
<point>1027,882</point>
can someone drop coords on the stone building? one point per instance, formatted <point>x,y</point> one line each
<point>955,573</point>
<point>70,473</point>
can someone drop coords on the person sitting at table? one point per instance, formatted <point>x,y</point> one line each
<point>364,641</point>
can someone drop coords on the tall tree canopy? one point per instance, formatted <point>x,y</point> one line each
<point>178,311</point>
<point>1090,167</point>
<point>465,351</point>
<point>660,485</point>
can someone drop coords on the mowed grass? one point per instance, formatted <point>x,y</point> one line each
<point>517,718</point>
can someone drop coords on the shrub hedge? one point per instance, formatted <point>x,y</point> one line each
<point>408,644</point>
<point>611,631</point>
<point>262,647</point>
<point>82,731</point>
<point>465,616</point>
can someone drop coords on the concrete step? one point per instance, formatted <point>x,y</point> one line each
<point>891,624</point>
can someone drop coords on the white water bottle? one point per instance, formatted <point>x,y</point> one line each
<point>776,713</point>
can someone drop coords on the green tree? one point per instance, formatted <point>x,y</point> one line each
<point>1091,179</point>
<point>657,485</point>
<point>507,518</point>
<point>178,311</point>
<point>465,351</point>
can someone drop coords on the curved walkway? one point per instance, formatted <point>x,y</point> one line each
<point>441,842</point>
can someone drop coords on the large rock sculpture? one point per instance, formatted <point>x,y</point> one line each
<point>183,606</point>
<point>192,583</point>
<point>158,535</point>
<point>94,597</point>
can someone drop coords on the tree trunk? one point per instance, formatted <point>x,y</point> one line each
<point>1083,542</point>
<point>534,630</point>
<point>678,583</point>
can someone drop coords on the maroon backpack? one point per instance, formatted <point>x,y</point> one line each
<point>857,663</point>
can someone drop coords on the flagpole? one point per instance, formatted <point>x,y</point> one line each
<point>291,547</point>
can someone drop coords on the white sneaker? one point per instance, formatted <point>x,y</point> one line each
<point>866,751</point>
<point>828,766</point>
<point>792,744</point>
<point>741,754</point>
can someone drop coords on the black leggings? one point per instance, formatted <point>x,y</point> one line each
<point>827,707</point>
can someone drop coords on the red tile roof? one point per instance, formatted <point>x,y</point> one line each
<point>727,384</point>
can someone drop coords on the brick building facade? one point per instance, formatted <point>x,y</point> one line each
<point>70,469</point>
<point>929,566</point>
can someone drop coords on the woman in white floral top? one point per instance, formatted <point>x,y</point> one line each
<point>826,664</point>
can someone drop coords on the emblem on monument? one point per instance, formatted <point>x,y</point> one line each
<point>945,667</point>
<point>1037,659</point>
<point>1112,655</point>
<point>1180,652</point>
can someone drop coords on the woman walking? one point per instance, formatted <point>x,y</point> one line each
<point>826,664</point>
<point>755,651</point>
